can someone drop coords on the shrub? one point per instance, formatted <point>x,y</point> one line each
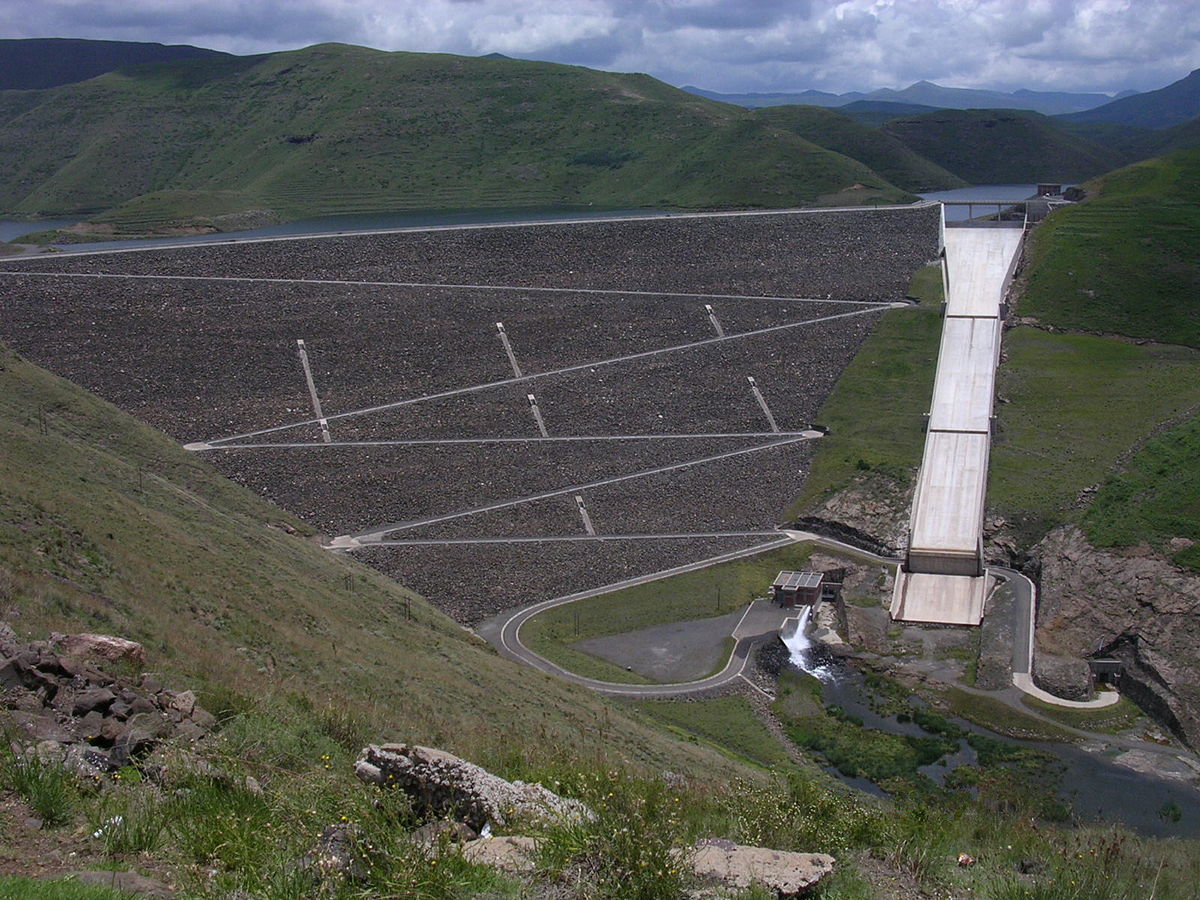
<point>47,786</point>
<point>130,819</point>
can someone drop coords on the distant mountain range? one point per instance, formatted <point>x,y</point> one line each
<point>926,93</point>
<point>36,63</point>
<point>1172,105</point>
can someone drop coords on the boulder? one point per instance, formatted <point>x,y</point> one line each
<point>783,873</point>
<point>100,647</point>
<point>512,854</point>
<point>336,853</point>
<point>1063,676</point>
<point>40,727</point>
<point>126,882</point>
<point>96,699</point>
<point>432,833</point>
<point>8,640</point>
<point>441,785</point>
<point>183,702</point>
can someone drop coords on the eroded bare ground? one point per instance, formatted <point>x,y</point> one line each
<point>621,351</point>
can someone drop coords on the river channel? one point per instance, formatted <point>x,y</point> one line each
<point>1097,789</point>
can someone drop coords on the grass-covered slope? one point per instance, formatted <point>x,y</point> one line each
<point>1098,428</point>
<point>334,128</point>
<point>875,413</point>
<point>1155,498</point>
<point>1003,146</point>
<point>882,152</point>
<point>1072,406</point>
<point>1127,261</point>
<point>107,526</point>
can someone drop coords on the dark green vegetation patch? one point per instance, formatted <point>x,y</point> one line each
<point>988,146</point>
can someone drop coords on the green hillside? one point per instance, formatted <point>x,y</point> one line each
<point>1116,405</point>
<point>1003,146</point>
<point>1126,261</point>
<point>335,129</point>
<point>1181,137</point>
<point>877,149</point>
<point>876,112</point>
<point>107,525</point>
<point>34,63</point>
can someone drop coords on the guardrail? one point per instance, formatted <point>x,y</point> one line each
<point>1003,214</point>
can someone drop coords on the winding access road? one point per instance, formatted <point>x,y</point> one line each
<point>763,619</point>
<point>760,620</point>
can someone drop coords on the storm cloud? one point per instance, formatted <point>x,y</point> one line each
<point>724,45</point>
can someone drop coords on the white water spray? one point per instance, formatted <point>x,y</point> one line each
<point>800,645</point>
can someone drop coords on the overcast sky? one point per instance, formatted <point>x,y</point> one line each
<point>722,45</point>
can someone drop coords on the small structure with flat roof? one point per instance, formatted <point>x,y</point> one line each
<point>797,588</point>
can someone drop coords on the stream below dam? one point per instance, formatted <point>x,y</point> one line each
<point>1096,788</point>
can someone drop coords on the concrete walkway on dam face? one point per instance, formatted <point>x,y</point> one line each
<point>942,581</point>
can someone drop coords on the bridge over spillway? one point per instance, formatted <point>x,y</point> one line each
<point>943,579</point>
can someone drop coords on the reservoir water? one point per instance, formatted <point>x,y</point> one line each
<point>11,229</point>
<point>359,222</point>
<point>345,224</point>
<point>980,192</point>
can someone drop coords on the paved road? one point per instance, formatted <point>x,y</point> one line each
<point>534,439</point>
<point>571,538</point>
<point>1025,612</point>
<point>504,632</point>
<point>760,620</point>
<point>436,285</point>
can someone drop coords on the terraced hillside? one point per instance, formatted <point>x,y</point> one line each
<point>335,129</point>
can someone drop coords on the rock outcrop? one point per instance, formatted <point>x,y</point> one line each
<point>875,505</point>
<point>512,854</point>
<point>443,786</point>
<point>782,873</point>
<point>460,798</point>
<point>74,712</point>
<point>1135,607</point>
